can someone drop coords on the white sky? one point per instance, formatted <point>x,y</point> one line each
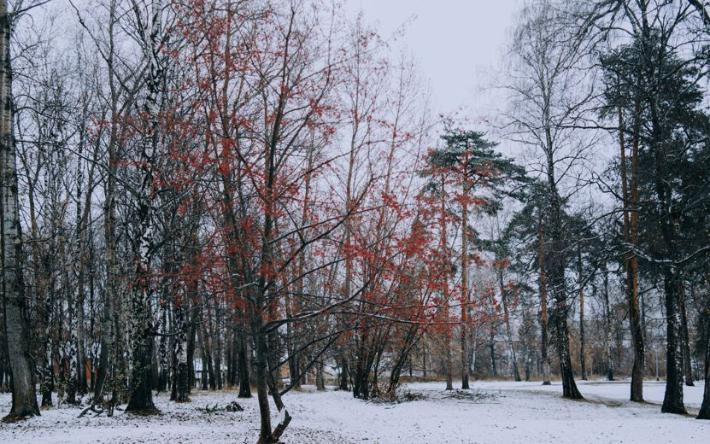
<point>458,44</point>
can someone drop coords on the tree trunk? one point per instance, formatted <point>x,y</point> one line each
<point>508,330</point>
<point>580,280</point>
<point>424,360</point>
<point>192,332</point>
<point>542,289</point>
<point>243,366</point>
<point>206,346</point>
<point>320,376</point>
<point>141,398</point>
<point>108,335</point>
<point>672,283</point>
<point>182,377</point>
<point>443,247</point>
<point>447,345</point>
<point>673,398</point>
<point>204,373</point>
<point>231,355</point>
<point>464,279</point>
<point>556,271</point>
<point>260,370</point>
<point>219,346</point>
<point>631,219</point>
<point>687,357</point>
<point>607,324</point>
<point>343,373</point>
<point>492,349</point>
<point>24,401</point>
<point>163,371</point>
<point>705,407</point>
<point>294,366</point>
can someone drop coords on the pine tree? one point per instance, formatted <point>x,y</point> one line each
<point>473,167</point>
<point>658,100</point>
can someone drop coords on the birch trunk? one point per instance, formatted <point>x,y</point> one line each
<point>141,398</point>
<point>24,401</point>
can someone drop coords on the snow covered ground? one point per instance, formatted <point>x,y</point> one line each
<point>492,412</point>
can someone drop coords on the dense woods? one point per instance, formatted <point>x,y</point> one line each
<point>254,194</point>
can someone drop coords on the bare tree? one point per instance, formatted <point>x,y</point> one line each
<point>550,104</point>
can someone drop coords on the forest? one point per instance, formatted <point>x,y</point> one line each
<point>254,197</point>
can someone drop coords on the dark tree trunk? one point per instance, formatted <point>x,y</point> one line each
<point>260,370</point>
<point>182,382</point>
<point>687,357</point>
<point>705,407</point>
<point>630,227</point>
<point>320,376</point>
<point>673,399</point>
<point>207,354</point>
<point>528,369</point>
<point>555,268</point>
<point>220,345</point>
<point>361,377</point>
<point>492,349</point>
<point>343,374</point>
<point>191,343</point>
<point>607,326</point>
<point>47,374</point>
<point>229,358</point>
<point>636,332</point>
<point>672,283</point>
<point>141,382</point>
<point>243,360</point>
<point>424,361</point>
<point>155,371</point>
<point>542,289</point>
<point>294,370</point>
<point>209,340</point>
<point>204,373</point>
<point>464,279</point>
<point>141,399</point>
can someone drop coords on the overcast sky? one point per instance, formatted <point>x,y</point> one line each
<point>460,48</point>
<point>458,44</point>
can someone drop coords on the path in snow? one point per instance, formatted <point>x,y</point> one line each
<point>492,412</point>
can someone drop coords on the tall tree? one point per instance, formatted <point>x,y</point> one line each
<point>472,166</point>
<point>548,105</point>
<point>24,401</point>
<point>669,124</point>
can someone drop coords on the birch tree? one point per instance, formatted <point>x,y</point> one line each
<point>24,401</point>
<point>551,103</point>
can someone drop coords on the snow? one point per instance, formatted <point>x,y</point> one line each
<point>491,412</point>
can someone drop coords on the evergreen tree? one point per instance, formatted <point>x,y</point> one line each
<point>473,167</point>
<point>660,102</point>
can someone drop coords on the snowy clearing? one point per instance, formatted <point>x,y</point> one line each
<point>491,412</point>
